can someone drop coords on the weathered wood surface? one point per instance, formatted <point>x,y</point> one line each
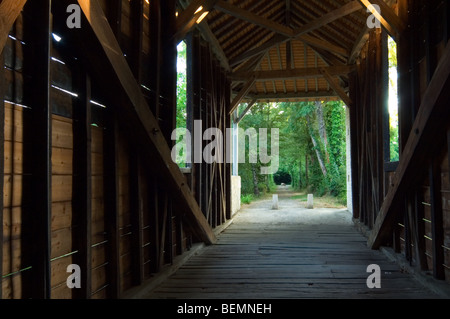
<point>288,259</point>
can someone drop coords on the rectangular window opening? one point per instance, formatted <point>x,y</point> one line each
<point>181,115</point>
<point>393,101</point>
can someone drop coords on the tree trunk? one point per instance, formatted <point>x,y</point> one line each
<point>322,128</point>
<point>316,148</point>
<point>300,174</point>
<point>255,180</point>
<point>306,169</point>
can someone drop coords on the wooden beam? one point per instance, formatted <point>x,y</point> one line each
<point>41,181</point>
<point>168,76</point>
<point>334,84</point>
<point>244,113</point>
<point>359,43</point>
<point>215,45</point>
<point>136,219</point>
<point>393,24</point>
<point>2,157</point>
<point>9,11</point>
<point>139,112</point>
<point>261,50</point>
<point>111,187</point>
<point>114,16</point>
<point>251,17</point>
<point>318,43</point>
<point>431,112</point>
<point>437,221</point>
<point>327,18</point>
<point>299,34</point>
<point>82,174</point>
<point>292,73</point>
<point>242,93</point>
<point>212,40</point>
<point>136,7</point>
<point>293,95</point>
<point>187,20</point>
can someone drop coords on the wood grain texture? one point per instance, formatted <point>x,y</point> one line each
<point>9,11</point>
<point>277,257</point>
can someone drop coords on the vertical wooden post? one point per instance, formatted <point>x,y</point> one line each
<point>41,180</point>
<point>408,227</point>
<point>162,240</point>
<point>179,230</point>
<point>137,26</point>
<point>155,55</point>
<point>405,109</point>
<point>447,21</point>
<point>111,201</point>
<point>168,77</point>
<point>420,228</point>
<point>169,232</point>
<point>111,170</point>
<point>82,185</point>
<point>353,145</point>
<point>2,159</point>
<point>437,230</point>
<point>155,239</point>
<point>115,18</point>
<point>136,218</point>
<point>228,173</point>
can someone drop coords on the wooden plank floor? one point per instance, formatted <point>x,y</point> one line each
<point>286,254</point>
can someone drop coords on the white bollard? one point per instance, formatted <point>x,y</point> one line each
<point>309,203</point>
<point>275,201</point>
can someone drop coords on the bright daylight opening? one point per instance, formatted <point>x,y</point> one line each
<point>312,151</point>
<point>181,116</point>
<point>393,101</point>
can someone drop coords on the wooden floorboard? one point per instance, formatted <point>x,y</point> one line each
<point>288,260</point>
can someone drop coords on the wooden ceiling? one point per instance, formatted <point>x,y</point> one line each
<point>284,49</point>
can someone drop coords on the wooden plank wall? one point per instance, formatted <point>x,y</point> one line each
<point>134,228</point>
<point>422,232</point>
<point>209,103</point>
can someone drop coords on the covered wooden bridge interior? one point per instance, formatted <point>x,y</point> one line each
<point>89,112</point>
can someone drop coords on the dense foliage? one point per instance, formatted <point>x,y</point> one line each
<point>312,147</point>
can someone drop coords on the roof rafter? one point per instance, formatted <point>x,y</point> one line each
<point>208,34</point>
<point>242,93</point>
<point>292,95</point>
<point>300,33</point>
<point>187,20</point>
<point>334,84</point>
<point>253,18</point>
<point>292,73</point>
